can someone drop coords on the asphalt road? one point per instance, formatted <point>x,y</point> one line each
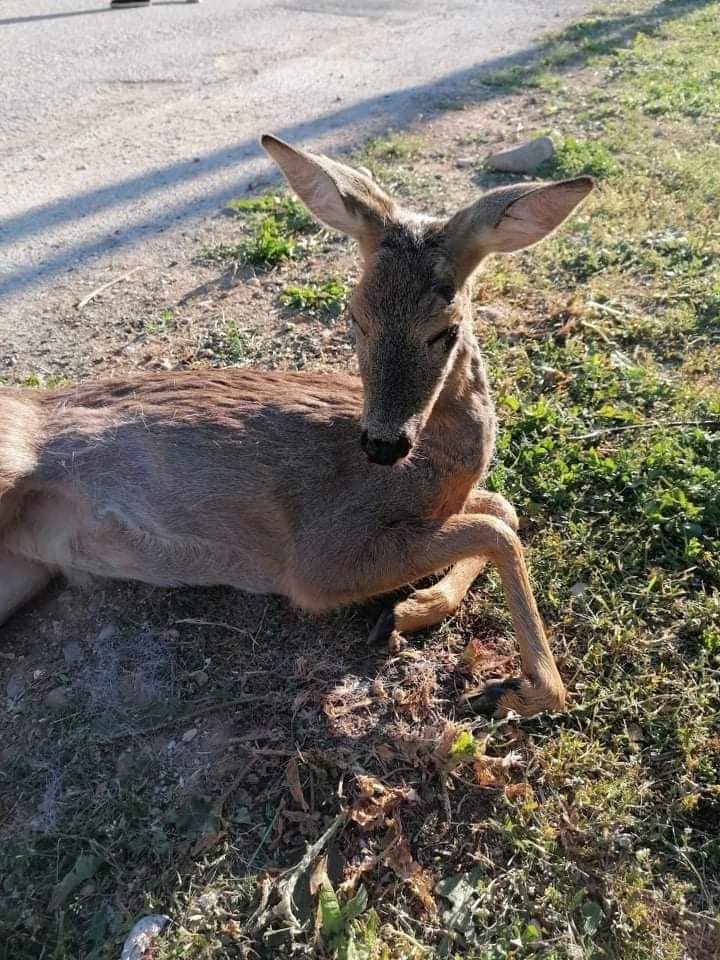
<point>119,126</point>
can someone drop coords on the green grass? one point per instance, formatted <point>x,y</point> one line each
<point>326,296</point>
<point>45,381</point>
<point>164,322</point>
<point>596,837</point>
<point>275,228</point>
<point>573,158</point>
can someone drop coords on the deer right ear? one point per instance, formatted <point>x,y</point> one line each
<point>337,195</point>
<point>510,218</point>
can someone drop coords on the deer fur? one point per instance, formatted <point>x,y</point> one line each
<point>266,481</point>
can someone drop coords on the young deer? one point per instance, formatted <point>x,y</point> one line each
<point>325,488</point>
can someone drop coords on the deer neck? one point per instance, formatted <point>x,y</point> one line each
<point>460,434</point>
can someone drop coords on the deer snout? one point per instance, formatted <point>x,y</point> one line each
<point>385,452</point>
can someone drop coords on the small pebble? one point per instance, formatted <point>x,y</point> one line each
<point>189,735</point>
<point>523,158</point>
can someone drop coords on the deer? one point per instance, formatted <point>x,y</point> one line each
<point>325,488</point>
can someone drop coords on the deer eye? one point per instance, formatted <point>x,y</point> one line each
<point>449,335</point>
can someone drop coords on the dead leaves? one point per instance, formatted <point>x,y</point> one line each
<point>397,856</point>
<point>376,802</point>
<point>482,660</point>
<point>458,749</point>
<point>415,696</point>
<point>292,776</point>
<point>345,698</point>
<point>377,807</point>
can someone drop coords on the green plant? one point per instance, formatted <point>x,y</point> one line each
<point>572,158</point>
<point>276,228</point>
<point>326,295</point>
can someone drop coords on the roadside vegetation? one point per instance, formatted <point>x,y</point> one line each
<point>207,740</point>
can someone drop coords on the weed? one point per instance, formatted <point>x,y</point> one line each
<point>43,381</point>
<point>327,296</point>
<point>276,228</point>
<point>573,158</point>
<point>163,323</point>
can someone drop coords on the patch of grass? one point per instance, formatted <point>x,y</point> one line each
<point>573,158</point>
<point>276,228</point>
<point>162,323</point>
<point>45,381</point>
<point>233,347</point>
<point>327,296</point>
<point>386,157</point>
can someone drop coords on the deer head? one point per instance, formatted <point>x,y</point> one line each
<point>410,312</point>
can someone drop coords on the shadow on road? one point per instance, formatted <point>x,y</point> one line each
<point>573,47</point>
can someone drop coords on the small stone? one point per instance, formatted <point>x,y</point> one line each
<point>199,677</point>
<point>189,735</point>
<point>579,588</point>
<point>59,700</point>
<point>524,158</point>
<point>72,652</point>
<point>462,162</point>
<point>140,939</point>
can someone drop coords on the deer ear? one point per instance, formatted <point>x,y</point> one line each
<point>509,219</point>
<point>337,195</point>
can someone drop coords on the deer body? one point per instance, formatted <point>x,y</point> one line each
<point>258,481</point>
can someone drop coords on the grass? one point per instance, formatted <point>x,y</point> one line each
<point>276,228</point>
<point>326,296</point>
<point>573,158</point>
<point>165,787</point>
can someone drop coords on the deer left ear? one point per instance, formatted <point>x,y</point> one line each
<point>340,197</point>
<point>510,219</point>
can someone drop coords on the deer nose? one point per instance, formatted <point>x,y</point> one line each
<point>385,452</point>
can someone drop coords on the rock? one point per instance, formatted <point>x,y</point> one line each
<point>579,588</point>
<point>199,677</point>
<point>463,162</point>
<point>140,939</point>
<point>189,735</point>
<point>59,700</point>
<point>523,158</point>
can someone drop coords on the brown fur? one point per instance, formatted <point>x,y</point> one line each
<point>257,480</point>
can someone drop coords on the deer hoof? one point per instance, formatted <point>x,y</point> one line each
<point>494,700</point>
<point>384,628</point>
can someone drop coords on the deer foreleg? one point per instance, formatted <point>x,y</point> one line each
<point>425,608</point>
<point>414,550</point>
